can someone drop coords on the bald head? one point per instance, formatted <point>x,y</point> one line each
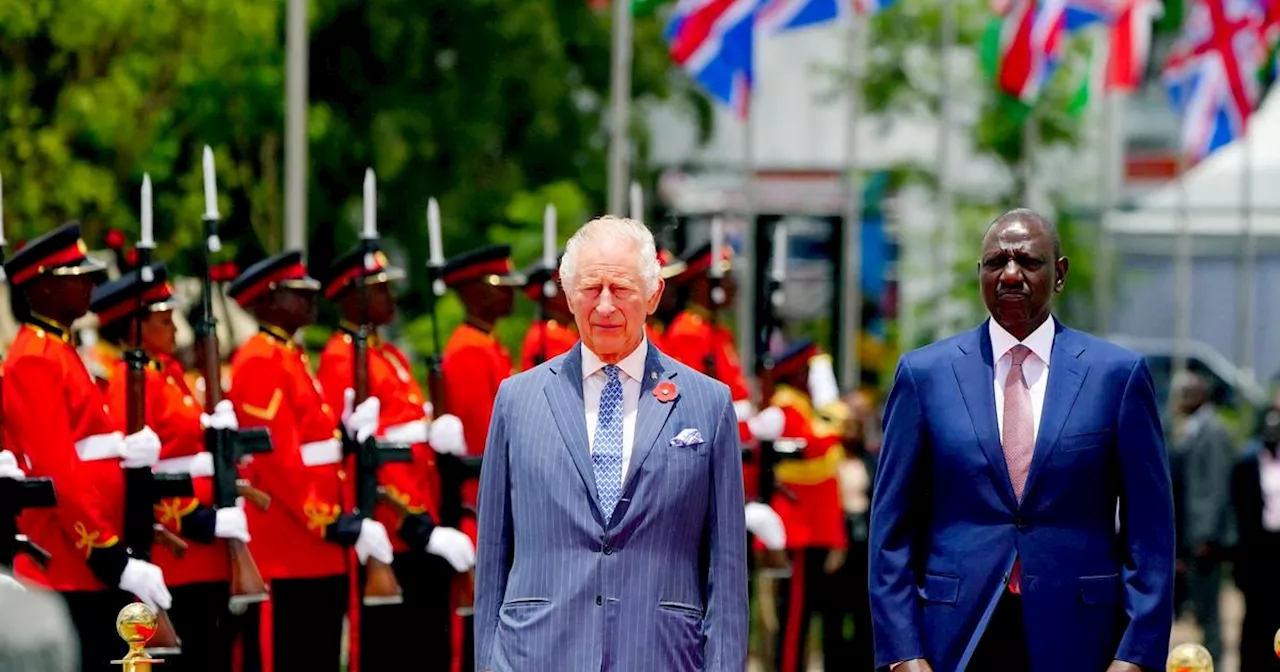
<point>1032,220</point>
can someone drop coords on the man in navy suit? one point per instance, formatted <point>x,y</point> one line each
<point>1022,515</point>
<point>612,528</point>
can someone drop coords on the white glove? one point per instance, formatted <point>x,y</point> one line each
<point>9,467</point>
<point>453,546</point>
<point>447,437</point>
<point>374,542</point>
<point>823,387</point>
<point>223,417</point>
<point>744,409</point>
<point>146,581</point>
<point>764,523</point>
<point>361,422</point>
<point>8,582</point>
<point>231,523</point>
<point>409,432</point>
<point>767,424</point>
<point>141,449</point>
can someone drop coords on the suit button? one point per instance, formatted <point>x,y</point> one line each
<point>1019,523</point>
<point>599,601</point>
<point>608,550</point>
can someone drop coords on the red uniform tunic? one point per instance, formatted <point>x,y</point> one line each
<point>414,484</point>
<point>694,341</point>
<point>654,333</point>
<point>814,518</point>
<point>272,387</point>
<point>173,415</point>
<point>57,425</point>
<point>559,339</point>
<point>474,364</point>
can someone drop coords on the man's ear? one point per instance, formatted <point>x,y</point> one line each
<point>656,298</point>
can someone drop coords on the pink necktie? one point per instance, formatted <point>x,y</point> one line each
<point>1018,436</point>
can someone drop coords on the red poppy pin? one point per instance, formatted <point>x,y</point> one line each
<point>666,391</point>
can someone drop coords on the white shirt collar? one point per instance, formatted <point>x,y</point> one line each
<point>632,364</point>
<point>1039,341</point>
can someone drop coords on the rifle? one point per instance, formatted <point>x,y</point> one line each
<point>716,275</point>
<point>31,493</point>
<point>142,487</point>
<point>453,469</point>
<point>381,587</point>
<point>227,447</point>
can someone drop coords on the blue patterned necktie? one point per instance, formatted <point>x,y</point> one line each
<point>606,455</point>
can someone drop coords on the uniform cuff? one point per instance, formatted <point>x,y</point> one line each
<point>345,530</point>
<point>416,530</point>
<point>200,525</point>
<point>107,564</point>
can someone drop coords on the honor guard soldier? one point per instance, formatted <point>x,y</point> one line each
<point>554,334</point>
<point>301,540</point>
<point>199,578</point>
<point>810,509</point>
<point>427,556</point>
<point>669,305</point>
<point>57,425</point>
<point>475,362</point>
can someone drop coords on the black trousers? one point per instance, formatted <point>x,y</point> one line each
<point>848,599</point>
<point>306,625</point>
<point>93,613</point>
<point>201,620</point>
<point>421,622</point>
<point>1003,647</point>
<point>809,591</point>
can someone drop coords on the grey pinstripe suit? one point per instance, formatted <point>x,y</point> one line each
<point>662,586</point>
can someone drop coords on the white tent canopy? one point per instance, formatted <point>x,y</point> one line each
<point>1216,188</point>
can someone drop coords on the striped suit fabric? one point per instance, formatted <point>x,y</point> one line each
<point>662,584</point>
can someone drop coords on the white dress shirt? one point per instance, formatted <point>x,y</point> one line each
<point>1035,368</point>
<point>593,381</point>
<point>1269,477</point>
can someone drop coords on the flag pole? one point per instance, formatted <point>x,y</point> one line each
<point>744,274</point>
<point>851,269</point>
<point>1248,255</point>
<point>1182,287</point>
<point>1111,174</point>
<point>295,138</point>
<point>620,108</point>
<point>948,232</point>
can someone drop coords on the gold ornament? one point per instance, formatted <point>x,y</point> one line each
<point>1189,658</point>
<point>136,625</point>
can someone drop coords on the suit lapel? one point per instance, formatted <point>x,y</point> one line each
<point>975,372</point>
<point>564,394</point>
<point>1066,376</point>
<point>651,417</point>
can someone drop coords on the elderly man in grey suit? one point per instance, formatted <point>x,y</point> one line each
<point>612,534</point>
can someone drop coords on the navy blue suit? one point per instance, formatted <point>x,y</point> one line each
<point>945,524</point>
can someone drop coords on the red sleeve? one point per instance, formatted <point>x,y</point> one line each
<point>262,396</point>
<point>688,347</point>
<point>335,375</point>
<point>470,392</point>
<point>529,348</point>
<point>53,453</point>
<point>729,367</point>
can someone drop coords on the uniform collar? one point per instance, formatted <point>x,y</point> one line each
<point>50,326</point>
<point>632,364</point>
<point>1040,341</point>
<point>352,329</point>
<point>278,334</point>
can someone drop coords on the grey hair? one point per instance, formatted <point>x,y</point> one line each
<point>615,228</point>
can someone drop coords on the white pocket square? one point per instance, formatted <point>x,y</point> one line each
<point>686,438</point>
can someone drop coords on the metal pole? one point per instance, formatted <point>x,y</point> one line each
<point>1248,255</point>
<point>1111,173</point>
<point>1182,272</point>
<point>295,135</point>
<point>948,233</point>
<point>620,109</point>
<point>851,270</point>
<point>1030,139</point>
<point>744,273</point>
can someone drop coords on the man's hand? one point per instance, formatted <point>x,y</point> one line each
<point>453,546</point>
<point>835,560</point>
<point>360,421</point>
<point>141,449</point>
<point>446,435</point>
<point>1123,666</point>
<point>373,542</point>
<point>223,417</point>
<point>9,466</point>
<point>913,665</point>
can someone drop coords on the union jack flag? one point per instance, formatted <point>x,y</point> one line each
<point>781,15</point>
<point>1211,76</point>
<point>1033,36</point>
<point>714,41</point>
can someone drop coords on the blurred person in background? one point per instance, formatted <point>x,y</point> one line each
<point>1204,452</point>
<point>1255,501</point>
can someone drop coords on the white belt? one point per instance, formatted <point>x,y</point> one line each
<point>409,432</point>
<point>101,447</point>
<point>200,464</point>
<point>317,453</point>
